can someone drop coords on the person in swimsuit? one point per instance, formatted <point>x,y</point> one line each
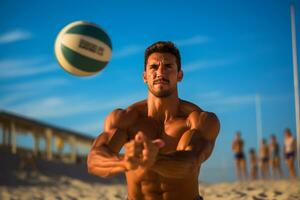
<point>253,164</point>
<point>290,152</point>
<point>166,139</point>
<point>264,159</point>
<point>275,157</point>
<point>240,160</point>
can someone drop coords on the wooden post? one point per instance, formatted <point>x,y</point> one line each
<point>72,141</point>
<point>4,135</point>
<point>36,143</point>
<point>13,138</point>
<point>48,143</point>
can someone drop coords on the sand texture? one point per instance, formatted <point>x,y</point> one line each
<point>42,187</point>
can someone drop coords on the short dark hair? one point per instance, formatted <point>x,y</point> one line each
<point>163,47</point>
<point>252,151</point>
<point>288,131</point>
<point>273,135</point>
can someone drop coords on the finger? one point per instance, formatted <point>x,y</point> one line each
<point>134,150</point>
<point>159,143</point>
<point>146,142</point>
<point>140,137</point>
<point>145,154</point>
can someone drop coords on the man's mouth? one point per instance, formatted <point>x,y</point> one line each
<point>161,81</point>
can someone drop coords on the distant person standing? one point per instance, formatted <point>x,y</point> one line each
<point>253,164</point>
<point>275,157</point>
<point>290,152</point>
<point>264,159</point>
<point>240,160</point>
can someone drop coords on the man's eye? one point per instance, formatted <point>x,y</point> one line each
<point>153,66</point>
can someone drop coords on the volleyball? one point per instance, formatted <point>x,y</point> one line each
<point>83,48</point>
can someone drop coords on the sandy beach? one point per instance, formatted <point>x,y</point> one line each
<point>43,187</point>
<point>254,190</point>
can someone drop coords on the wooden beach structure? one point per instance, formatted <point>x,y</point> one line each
<point>56,139</point>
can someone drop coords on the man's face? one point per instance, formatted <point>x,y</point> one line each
<point>161,74</point>
<point>273,139</point>
<point>286,134</point>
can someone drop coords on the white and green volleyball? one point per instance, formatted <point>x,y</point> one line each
<point>83,48</point>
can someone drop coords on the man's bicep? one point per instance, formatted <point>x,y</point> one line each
<point>193,140</point>
<point>115,134</point>
<point>185,140</point>
<point>114,139</point>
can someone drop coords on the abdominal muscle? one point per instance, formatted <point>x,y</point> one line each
<point>148,185</point>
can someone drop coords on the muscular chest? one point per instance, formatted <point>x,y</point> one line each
<point>170,132</point>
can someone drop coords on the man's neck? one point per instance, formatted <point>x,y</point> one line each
<point>163,109</point>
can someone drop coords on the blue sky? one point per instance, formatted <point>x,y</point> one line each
<point>231,51</point>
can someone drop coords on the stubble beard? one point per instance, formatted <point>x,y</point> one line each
<point>161,93</point>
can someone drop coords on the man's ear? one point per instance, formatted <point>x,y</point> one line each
<point>180,75</point>
<point>145,77</point>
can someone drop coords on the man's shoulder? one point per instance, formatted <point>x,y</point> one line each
<point>139,107</point>
<point>123,118</point>
<point>135,108</point>
<point>195,115</point>
<point>187,108</point>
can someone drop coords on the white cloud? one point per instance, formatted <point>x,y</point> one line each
<point>219,102</point>
<point>210,95</point>
<point>128,51</point>
<point>238,100</point>
<point>92,127</point>
<point>58,107</point>
<point>14,68</point>
<point>216,98</point>
<point>134,49</point>
<point>277,97</point>
<point>14,36</point>
<point>193,40</point>
<point>204,64</point>
<point>34,85</point>
<point>219,98</point>
<point>11,98</point>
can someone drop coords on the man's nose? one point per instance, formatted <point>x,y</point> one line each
<point>160,70</point>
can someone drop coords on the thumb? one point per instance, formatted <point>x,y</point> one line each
<point>159,143</point>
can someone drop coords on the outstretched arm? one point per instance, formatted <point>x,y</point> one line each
<point>104,159</point>
<point>194,147</point>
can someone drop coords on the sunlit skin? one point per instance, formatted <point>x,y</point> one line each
<point>290,162</point>
<point>275,158</point>
<point>240,162</point>
<point>264,159</point>
<point>166,139</point>
<point>253,165</point>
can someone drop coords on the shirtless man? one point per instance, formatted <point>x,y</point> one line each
<point>166,139</point>
<point>275,157</point>
<point>264,159</point>
<point>253,164</point>
<point>290,152</point>
<point>240,160</point>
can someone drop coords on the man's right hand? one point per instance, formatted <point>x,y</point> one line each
<point>133,153</point>
<point>141,152</point>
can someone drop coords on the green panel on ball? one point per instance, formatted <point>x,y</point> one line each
<point>82,62</point>
<point>91,31</point>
